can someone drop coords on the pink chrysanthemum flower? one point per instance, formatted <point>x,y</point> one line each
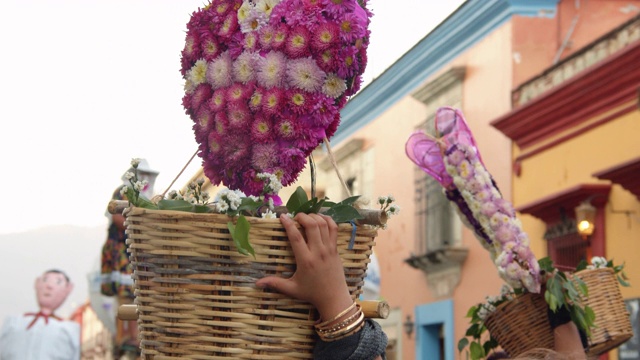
<point>352,27</point>
<point>200,96</point>
<point>285,128</point>
<point>299,101</point>
<point>273,101</point>
<point>280,34</point>
<point>219,72</point>
<point>202,125</point>
<point>324,111</point>
<point>243,67</point>
<point>238,114</point>
<point>265,37</point>
<point>256,100</point>
<point>214,143</point>
<point>210,48</point>
<point>325,36</point>
<point>228,26</point>
<point>305,74</point>
<point>220,123</point>
<point>271,69</point>
<point>237,149</point>
<point>264,156</point>
<point>327,59</point>
<point>348,62</point>
<point>261,129</point>
<point>239,92</point>
<point>334,86</point>
<point>218,100</point>
<point>250,41</point>
<point>297,44</point>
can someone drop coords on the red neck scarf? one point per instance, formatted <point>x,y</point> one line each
<point>40,315</point>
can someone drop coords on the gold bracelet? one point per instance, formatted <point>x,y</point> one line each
<point>349,330</point>
<point>337,317</point>
<point>358,328</point>
<point>343,323</point>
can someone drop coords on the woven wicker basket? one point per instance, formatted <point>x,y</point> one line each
<point>196,294</point>
<point>612,323</point>
<point>521,325</point>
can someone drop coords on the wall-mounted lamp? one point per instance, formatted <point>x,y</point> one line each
<point>408,326</point>
<point>585,218</point>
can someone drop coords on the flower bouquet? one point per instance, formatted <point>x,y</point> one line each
<point>515,321</point>
<point>264,83</point>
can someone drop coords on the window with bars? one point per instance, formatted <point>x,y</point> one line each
<point>437,224</point>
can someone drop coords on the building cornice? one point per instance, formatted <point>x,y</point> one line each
<point>470,23</point>
<point>607,86</point>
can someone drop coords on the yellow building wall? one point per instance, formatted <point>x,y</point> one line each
<point>573,162</point>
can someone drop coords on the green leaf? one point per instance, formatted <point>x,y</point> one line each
<point>316,207</point>
<point>306,206</point>
<point>622,280</point>
<point>546,264</point>
<point>477,352</point>
<point>175,205</point>
<point>201,209</point>
<point>343,213</point>
<point>240,235</point>
<point>298,198</point>
<point>582,286</point>
<point>581,265</point>
<point>349,200</point>
<point>462,344</point>
<point>146,204</point>
<point>589,315</point>
<point>249,205</point>
<point>472,311</point>
<point>473,330</point>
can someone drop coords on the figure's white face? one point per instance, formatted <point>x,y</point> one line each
<point>51,290</point>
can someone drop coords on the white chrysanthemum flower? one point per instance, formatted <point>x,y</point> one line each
<point>244,10</point>
<point>266,6</point>
<point>221,207</point>
<point>334,86</point>
<point>124,190</point>
<point>244,67</point>
<point>271,204</point>
<point>129,175</point>
<point>135,162</point>
<point>189,86</point>
<point>198,73</point>
<point>219,72</point>
<point>382,200</point>
<point>599,262</point>
<point>269,215</point>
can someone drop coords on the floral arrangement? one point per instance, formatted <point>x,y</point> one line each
<point>453,159</point>
<point>265,81</point>
<point>238,205</point>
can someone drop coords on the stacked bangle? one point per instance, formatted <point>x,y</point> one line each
<point>331,330</point>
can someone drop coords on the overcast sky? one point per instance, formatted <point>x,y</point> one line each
<point>86,85</point>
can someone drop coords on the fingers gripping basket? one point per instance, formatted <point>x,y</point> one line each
<point>196,294</point>
<point>521,325</point>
